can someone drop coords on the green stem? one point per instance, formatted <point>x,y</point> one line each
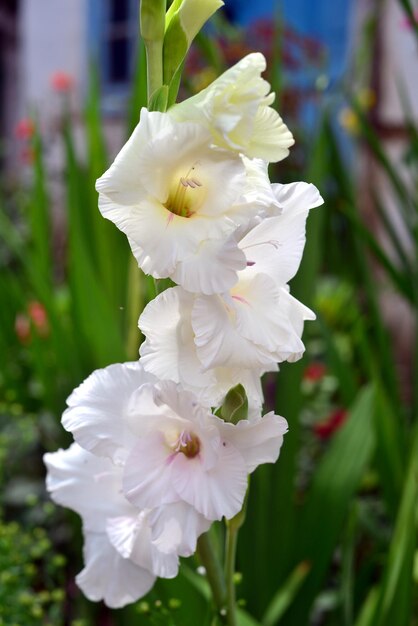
<point>232,527</point>
<point>231,550</point>
<point>209,560</point>
<point>134,306</point>
<point>154,66</point>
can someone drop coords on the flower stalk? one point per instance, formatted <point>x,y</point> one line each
<point>214,573</point>
<point>152,24</point>
<point>232,528</point>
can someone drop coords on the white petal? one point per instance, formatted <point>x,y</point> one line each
<point>87,484</point>
<point>271,139</point>
<point>151,156</point>
<point>258,196</point>
<point>121,183</point>
<point>275,246</point>
<point>98,406</point>
<point>147,476</point>
<point>216,493</point>
<point>296,313</point>
<point>131,536</point>
<point>109,577</point>
<point>256,302</point>
<point>297,196</point>
<point>217,339</point>
<point>258,440</point>
<point>176,528</point>
<point>211,268</point>
<point>169,350</point>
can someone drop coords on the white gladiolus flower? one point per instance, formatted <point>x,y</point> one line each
<point>207,342</point>
<point>169,352</point>
<point>236,109</point>
<point>121,558</point>
<point>258,321</point>
<point>179,200</point>
<point>174,452</point>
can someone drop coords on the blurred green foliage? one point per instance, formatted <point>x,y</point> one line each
<point>331,529</point>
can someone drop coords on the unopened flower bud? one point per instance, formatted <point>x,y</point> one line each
<point>183,21</point>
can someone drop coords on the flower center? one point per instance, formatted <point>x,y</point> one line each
<point>186,196</point>
<point>188,444</point>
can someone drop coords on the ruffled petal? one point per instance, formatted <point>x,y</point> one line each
<point>211,268</point>
<point>87,484</point>
<point>258,440</point>
<point>297,196</point>
<point>214,493</point>
<point>96,409</point>
<point>271,138</point>
<point>109,577</point>
<point>169,352</point>
<point>218,341</point>
<point>275,248</point>
<point>176,528</point>
<point>131,537</point>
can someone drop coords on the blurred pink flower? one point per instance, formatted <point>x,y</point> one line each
<point>38,315</point>
<point>24,129</point>
<point>22,328</point>
<point>61,82</point>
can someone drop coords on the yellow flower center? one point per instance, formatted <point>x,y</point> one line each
<point>186,195</point>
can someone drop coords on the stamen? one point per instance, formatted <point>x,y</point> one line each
<point>272,242</point>
<point>188,444</point>
<point>178,203</point>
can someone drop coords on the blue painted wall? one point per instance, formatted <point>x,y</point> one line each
<point>326,20</point>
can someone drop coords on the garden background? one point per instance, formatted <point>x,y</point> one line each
<point>330,535</point>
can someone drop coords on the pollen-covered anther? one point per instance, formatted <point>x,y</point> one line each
<point>188,444</point>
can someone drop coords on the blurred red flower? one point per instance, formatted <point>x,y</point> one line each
<point>314,371</point>
<point>326,428</point>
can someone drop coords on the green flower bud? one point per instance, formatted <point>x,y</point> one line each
<point>235,406</point>
<point>183,21</point>
<point>152,16</point>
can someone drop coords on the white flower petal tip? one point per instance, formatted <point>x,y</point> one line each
<point>236,110</point>
<point>109,577</point>
<point>259,440</point>
<point>298,196</point>
<point>171,192</point>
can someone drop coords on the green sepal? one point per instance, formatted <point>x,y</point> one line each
<point>159,99</point>
<point>175,48</point>
<point>235,406</point>
<point>174,86</point>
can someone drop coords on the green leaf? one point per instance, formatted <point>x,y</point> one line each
<point>395,599</point>
<point>335,481</point>
<point>284,596</point>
